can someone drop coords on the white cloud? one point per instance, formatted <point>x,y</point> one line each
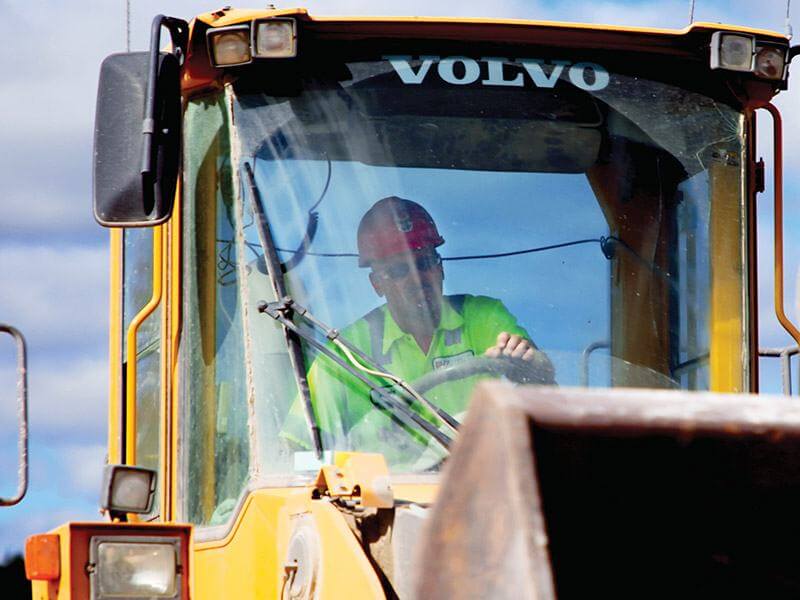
<point>671,14</point>
<point>56,295</point>
<point>71,399</point>
<point>67,399</point>
<point>81,470</point>
<point>50,208</point>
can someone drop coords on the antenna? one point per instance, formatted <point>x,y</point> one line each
<point>691,11</point>
<point>127,25</point>
<point>788,20</point>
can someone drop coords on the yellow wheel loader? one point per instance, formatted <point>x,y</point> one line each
<point>277,428</point>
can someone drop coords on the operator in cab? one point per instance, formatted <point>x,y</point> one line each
<point>418,330</point>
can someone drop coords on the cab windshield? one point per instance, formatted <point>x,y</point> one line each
<point>583,210</point>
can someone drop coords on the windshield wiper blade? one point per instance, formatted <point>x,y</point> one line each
<point>388,400</point>
<point>275,274</point>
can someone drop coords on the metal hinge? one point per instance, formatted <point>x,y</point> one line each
<point>359,477</point>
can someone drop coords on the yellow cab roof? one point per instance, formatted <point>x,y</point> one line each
<point>223,18</point>
<point>691,42</point>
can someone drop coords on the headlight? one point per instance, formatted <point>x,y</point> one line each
<point>770,62</point>
<point>230,46</point>
<point>134,567</point>
<point>739,52</point>
<point>127,489</point>
<point>275,38</point>
<point>733,52</point>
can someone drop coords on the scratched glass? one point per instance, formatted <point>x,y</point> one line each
<point>583,196</point>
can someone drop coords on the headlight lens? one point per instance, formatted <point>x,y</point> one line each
<point>736,52</point>
<point>275,39</point>
<point>230,46</point>
<point>130,489</point>
<point>743,53</point>
<point>135,568</point>
<point>770,63</point>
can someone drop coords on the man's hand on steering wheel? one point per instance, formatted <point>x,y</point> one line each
<point>513,357</point>
<point>515,346</point>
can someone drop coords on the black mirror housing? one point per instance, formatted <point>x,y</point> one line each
<point>128,193</point>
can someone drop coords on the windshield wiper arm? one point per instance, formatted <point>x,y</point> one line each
<point>275,274</point>
<point>388,400</point>
<point>368,365</point>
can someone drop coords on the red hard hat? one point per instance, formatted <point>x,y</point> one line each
<point>395,225</point>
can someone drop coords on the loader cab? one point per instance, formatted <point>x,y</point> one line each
<point>599,185</point>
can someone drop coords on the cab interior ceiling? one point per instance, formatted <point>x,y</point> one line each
<point>487,129</point>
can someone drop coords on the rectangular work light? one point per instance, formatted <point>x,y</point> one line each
<point>275,38</point>
<point>770,62</point>
<point>732,52</point>
<point>264,38</point>
<point>743,53</point>
<point>229,46</point>
<point>134,567</point>
<point>127,489</point>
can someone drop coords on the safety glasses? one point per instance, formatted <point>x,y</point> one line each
<point>400,270</point>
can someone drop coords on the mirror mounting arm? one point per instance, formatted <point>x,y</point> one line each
<point>179,31</point>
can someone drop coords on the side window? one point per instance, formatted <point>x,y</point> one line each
<point>215,439</point>
<point>138,288</point>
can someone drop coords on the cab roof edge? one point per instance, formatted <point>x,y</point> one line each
<point>234,16</point>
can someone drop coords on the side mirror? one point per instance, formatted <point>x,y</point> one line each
<point>125,194</point>
<point>22,412</point>
<point>137,134</point>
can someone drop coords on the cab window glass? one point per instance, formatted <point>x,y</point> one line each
<point>215,397</point>
<point>138,288</point>
<point>589,204</point>
<point>590,213</point>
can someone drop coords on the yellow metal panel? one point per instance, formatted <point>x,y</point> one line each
<point>114,345</point>
<point>345,571</point>
<point>415,492</point>
<point>173,336</point>
<point>243,565</point>
<point>728,353</point>
<point>249,561</point>
<point>235,16</point>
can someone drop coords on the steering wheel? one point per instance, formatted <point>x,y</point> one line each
<point>514,369</point>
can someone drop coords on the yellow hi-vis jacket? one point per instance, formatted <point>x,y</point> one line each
<point>469,325</point>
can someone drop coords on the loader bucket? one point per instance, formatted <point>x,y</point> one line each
<point>576,493</point>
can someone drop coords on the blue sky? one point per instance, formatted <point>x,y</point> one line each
<point>53,257</point>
